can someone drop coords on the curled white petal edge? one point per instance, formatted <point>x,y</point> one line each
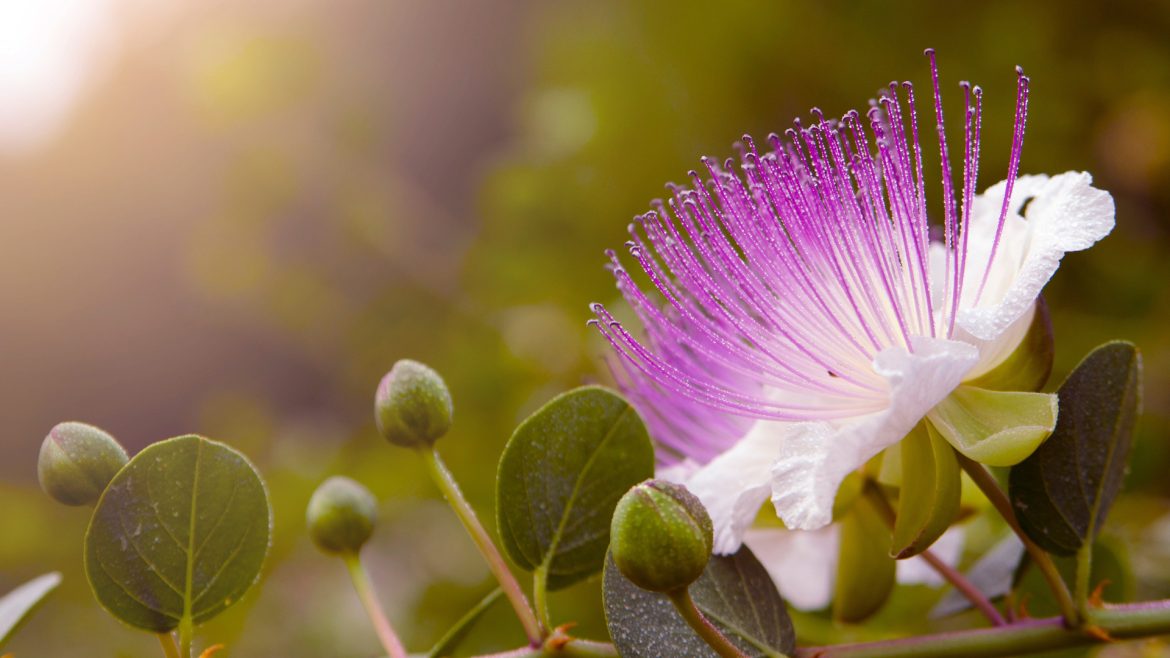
<point>1066,213</point>
<point>814,458</point>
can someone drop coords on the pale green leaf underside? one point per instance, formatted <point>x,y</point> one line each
<point>181,531</point>
<point>17,605</point>
<point>997,428</point>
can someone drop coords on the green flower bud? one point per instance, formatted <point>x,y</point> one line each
<point>77,461</point>
<point>661,536</point>
<point>413,406</point>
<point>341,515</point>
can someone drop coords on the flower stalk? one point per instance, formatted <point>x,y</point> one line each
<point>365,590</point>
<point>533,629</point>
<point>702,626</point>
<point>990,488</point>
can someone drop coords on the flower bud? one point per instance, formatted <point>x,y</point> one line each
<point>661,536</point>
<point>77,461</point>
<point>341,515</point>
<point>413,406</point>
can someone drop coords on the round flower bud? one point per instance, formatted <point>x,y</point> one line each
<point>341,515</point>
<point>77,461</point>
<point>413,406</point>
<point>661,536</point>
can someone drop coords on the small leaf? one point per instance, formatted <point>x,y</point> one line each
<point>180,533</point>
<point>865,571</point>
<point>997,428</point>
<point>1063,492</point>
<point>561,476</point>
<point>929,500</point>
<point>17,605</point>
<point>735,593</point>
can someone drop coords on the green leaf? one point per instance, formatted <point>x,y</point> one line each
<point>865,571</point>
<point>17,605</point>
<point>457,633</point>
<point>561,476</point>
<point>180,533</point>
<point>1063,492</point>
<point>997,428</point>
<point>735,593</point>
<point>929,499</point>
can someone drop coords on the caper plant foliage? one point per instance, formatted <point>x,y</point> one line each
<point>815,351</point>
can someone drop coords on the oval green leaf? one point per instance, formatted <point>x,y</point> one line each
<point>180,533</point>
<point>561,476</point>
<point>1063,492</point>
<point>735,593</point>
<point>929,499</point>
<point>17,605</point>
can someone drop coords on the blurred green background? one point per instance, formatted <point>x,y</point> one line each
<point>232,218</point>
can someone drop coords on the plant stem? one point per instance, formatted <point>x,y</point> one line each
<point>573,648</point>
<point>168,644</point>
<point>186,633</point>
<point>1084,569</point>
<point>690,612</point>
<point>950,574</point>
<point>442,477</point>
<point>1127,621</point>
<point>990,488</point>
<point>365,591</point>
<point>540,594</point>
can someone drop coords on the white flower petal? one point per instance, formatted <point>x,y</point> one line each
<point>734,485</point>
<point>802,563</point>
<point>1065,213</point>
<point>815,457</point>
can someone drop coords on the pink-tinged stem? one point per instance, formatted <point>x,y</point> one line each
<point>365,590</point>
<point>491,554</point>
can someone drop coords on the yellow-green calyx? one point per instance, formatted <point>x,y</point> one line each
<point>341,516</point>
<point>77,461</point>
<point>413,406</point>
<point>661,536</point>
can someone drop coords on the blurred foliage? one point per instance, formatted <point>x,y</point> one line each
<point>356,222</point>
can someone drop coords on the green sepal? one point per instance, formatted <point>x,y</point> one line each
<point>997,428</point>
<point>1030,365</point>
<point>929,500</point>
<point>865,572</point>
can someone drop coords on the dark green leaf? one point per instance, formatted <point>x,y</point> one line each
<point>1063,492</point>
<point>561,476</point>
<point>735,593</point>
<point>180,532</point>
<point>17,605</point>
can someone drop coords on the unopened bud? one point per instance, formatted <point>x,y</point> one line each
<point>77,461</point>
<point>413,406</point>
<point>341,515</point>
<point>661,536</point>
